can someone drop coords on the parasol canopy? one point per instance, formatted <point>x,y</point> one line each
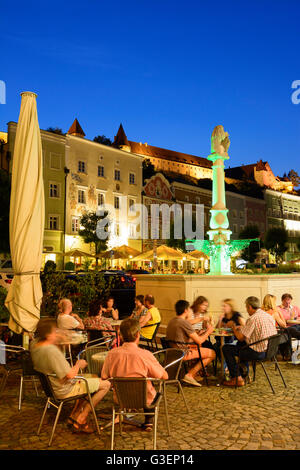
<point>78,253</point>
<point>26,220</point>
<point>163,253</point>
<point>120,252</point>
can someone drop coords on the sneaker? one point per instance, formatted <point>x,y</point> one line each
<point>191,381</point>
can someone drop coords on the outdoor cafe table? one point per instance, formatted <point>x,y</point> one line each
<point>222,333</point>
<point>293,322</point>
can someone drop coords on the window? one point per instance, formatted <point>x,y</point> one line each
<point>81,167</point>
<point>75,224</point>
<point>186,198</point>
<point>81,196</point>
<point>100,199</point>
<point>131,178</point>
<point>101,171</point>
<point>132,230</point>
<point>234,213</point>
<point>241,228</point>
<point>234,228</point>
<point>54,189</point>
<point>250,212</point>
<point>197,200</point>
<point>131,205</point>
<point>117,175</point>
<point>117,202</point>
<point>53,222</point>
<point>55,161</point>
<point>117,230</point>
<point>241,214</point>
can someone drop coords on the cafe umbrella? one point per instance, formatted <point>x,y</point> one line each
<point>26,220</point>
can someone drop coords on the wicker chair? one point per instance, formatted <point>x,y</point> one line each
<point>171,359</point>
<point>271,352</point>
<point>53,400</point>
<point>131,394</point>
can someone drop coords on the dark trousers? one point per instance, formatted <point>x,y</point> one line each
<point>294,331</point>
<point>148,418</point>
<point>231,351</point>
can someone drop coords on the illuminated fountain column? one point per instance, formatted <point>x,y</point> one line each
<point>219,234</point>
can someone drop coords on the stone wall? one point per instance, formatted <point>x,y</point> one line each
<point>167,289</point>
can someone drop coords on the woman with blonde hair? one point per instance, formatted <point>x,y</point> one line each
<point>269,306</point>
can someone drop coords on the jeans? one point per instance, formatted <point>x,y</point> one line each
<point>231,351</point>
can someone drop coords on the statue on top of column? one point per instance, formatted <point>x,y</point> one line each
<point>220,141</point>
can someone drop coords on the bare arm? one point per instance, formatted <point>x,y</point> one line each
<point>200,339</point>
<point>80,364</point>
<point>237,333</point>
<point>144,320</point>
<point>115,314</point>
<point>279,318</point>
<point>81,325</point>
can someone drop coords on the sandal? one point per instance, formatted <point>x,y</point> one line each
<point>84,428</point>
<point>147,427</point>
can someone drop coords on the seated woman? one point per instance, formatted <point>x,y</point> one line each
<point>48,359</point>
<point>66,319</point>
<point>95,319</point>
<point>269,306</point>
<point>140,310</point>
<point>228,317</point>
<point>110,311</point>
<point>200,319</point>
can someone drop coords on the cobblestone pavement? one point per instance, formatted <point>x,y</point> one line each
<point>250,418</point>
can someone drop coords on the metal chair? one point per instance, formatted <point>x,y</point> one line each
<point>28,374</point>
<point>271,352</point>
<point>95,347</point>
<point>152,342</point>
<point>171,359</point>
<point>96,335</point>
<point>131,394</point>
<point>53,400</point>
<point>12,357</point>
<point>186,348</point>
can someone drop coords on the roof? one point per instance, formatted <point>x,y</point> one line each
<point>166,154</point>
<point>76,129</point>
<point>120,138</point>
<point>246,171</point>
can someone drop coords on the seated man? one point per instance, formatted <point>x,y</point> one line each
<point>66,319</point>
<point>180,329</point>
<point>289,312</point>
<point>48,359</point>
<point>152,316</point>
<point>131,361</point>
<point>260,325</point>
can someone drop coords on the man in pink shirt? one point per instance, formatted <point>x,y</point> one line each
<point>288,311</point>
<point>131,361</point>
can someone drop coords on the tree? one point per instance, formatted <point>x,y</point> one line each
<point>294,177</point>
<point>148,169</point>
<point>249,253</point>
<point>102,139</point>
<point>4,211</point>
<point>276,241</point>
<point>55,130</point>
<point>89,222</point>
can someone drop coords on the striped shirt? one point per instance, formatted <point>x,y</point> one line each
<point>259,326</point>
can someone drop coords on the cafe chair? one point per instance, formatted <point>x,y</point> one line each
<point>53,400</point>
<point>271,352</point>
<point>28,374</point>
<point>171,359</point>
<point>99,347</point>
<point>185,347</point>
<point>131,393</point>
<point>11,362</point>
<point>151,343</point>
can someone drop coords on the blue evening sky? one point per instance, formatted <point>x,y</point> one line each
<point>168,70</point>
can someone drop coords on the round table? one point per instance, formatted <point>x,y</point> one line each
<point>222,333</point>
<point>98,361</point>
